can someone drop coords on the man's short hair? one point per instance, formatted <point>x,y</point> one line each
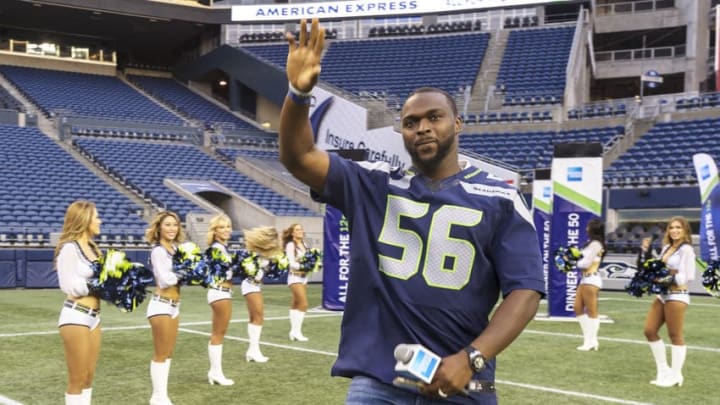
<point>448,97</point>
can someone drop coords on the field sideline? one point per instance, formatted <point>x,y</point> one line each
<point>542,366</point>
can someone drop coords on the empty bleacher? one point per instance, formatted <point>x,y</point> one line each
<point>8,102</point>
<point>187,103</point>
<point>268,160</point>
<point>663,156</point>
<point>143,166</point>
<point>85,95</point>
<point>531,150</point>
<point>40,180</point>
<point>534,66</point>
<point>449,62</point>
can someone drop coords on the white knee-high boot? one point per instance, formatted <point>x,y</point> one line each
<point>296,321</point>
<point>73,399</point>
<point>677,354</point>
<point>658,351</point>
<point>593,334</point>
<point>86,396</point>
<point>215,375</point>
<point>585,327</point>
<point>159,373</point>
<point>253,353</point>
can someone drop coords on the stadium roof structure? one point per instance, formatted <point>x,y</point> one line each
<point>151,31</point>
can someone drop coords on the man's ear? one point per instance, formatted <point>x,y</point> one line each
<point>458,124</point>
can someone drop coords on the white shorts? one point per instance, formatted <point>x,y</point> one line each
<point>163,306</point>
<point>76,316</point>
<point>218,293</point>
<point>295,278</point>
<point>682,297</point>
<point>249,286</point>
<point>595,280</point>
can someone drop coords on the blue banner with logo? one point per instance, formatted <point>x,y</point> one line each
<point>576,199</point>
<point>707,175</point>
<point>336,259</point>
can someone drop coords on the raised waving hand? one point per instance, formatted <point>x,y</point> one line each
<point>303,62</point>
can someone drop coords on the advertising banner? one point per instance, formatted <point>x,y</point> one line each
<point>336,260</point>
<point>577,176</point>
<point>542,214</point>
<point>707,175</point>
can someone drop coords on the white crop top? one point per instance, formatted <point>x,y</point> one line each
<point>591,254</point>
<point>74,270</point>
<point>162,267</point>
<point>682,260</point>
<point>292,251</point>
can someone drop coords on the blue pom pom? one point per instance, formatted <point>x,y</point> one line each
<point>711,278</point>
<point>651,278</point>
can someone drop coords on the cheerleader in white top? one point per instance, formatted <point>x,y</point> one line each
<point>79,321</point>
<point>586,298</point>
<point>679,257</point>
<point>295,248</point>
<point>265,243</point>
<point>165,233</point>
<point>220,299</point>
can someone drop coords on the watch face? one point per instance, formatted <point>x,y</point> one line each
<point>478,363</point>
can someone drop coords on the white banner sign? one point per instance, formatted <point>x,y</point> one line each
<point>367,8</point>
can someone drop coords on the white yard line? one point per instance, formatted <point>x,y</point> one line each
<point>617,340</point>
<point>692,303</point>
<point>116,328</point>
<point>7,401</point>
<point>296,348</point>
<point>572,393</point>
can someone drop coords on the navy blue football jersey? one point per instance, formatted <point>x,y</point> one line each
<point>428,260</point>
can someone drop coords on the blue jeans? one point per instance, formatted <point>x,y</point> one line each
<point>369,391</point>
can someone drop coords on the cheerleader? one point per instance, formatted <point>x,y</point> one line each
<point>295,248</point>
<point>165,233</point>
<point>264,242</point>
<point>679,257</point>
<point>586,298</point>
<point>219,297</point>
<point>79,321</point>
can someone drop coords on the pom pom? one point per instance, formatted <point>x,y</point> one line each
<point>311,261</point>
<point>277,267</point>
<point>119,281</point>
<point>652,278</point>
<point>248,265</point>
<point>711,278</point>
<point>246,262</point>
<point>189,265</point>
<point>219,266</point>
<point>566,258</point>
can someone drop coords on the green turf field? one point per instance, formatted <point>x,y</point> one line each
<point>541,367</point>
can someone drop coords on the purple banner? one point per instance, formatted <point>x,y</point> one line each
<point>569,223</point>
<point>336,259</point>
<point>542,227</point>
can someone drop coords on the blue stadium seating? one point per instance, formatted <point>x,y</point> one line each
<point>143,166</point>
<point>40,180</point>
<point>187,103</point>
<point>533,67</point>
<point>86,95</point>
<point>405,65</point>
<point>531,150</point>
<point>8,102</point>
<point>663,156</point>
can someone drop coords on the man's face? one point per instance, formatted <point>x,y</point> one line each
<point>429,130</point>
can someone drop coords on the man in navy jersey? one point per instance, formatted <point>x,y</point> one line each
<point>432,247</point>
